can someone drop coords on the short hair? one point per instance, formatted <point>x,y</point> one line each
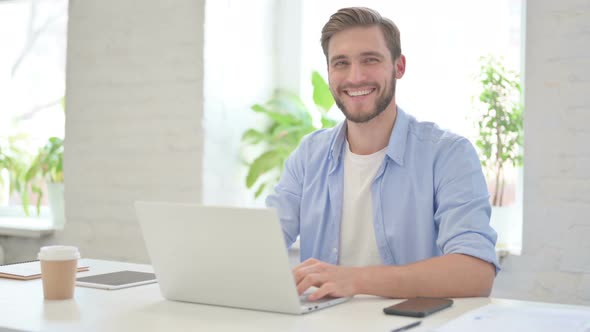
<point>361,16</point>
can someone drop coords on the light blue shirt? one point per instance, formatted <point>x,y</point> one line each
<point>429,196</point>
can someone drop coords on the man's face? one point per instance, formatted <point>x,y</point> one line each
<point>361,73</point>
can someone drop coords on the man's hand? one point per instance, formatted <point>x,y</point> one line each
<point>332,280</point>
<point>451,275</point>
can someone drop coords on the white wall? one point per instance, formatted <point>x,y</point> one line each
<point>134,109</point>
<point>555,263</point>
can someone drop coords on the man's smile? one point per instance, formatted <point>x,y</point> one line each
<point>359,92</point>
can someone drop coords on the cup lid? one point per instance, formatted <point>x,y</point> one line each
<point>58,253</point>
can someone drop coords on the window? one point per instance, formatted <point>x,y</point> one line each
<point>32,80</point>
<point>442,42</point>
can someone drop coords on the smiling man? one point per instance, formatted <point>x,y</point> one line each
<point>383,204</point>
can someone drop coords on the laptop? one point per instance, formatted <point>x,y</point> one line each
<point>225,256</point>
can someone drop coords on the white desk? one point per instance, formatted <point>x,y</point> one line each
<point>143,309</point>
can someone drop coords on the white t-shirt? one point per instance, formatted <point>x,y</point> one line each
<point>358,246</point>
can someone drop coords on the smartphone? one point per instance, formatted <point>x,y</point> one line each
<point>418,307</point>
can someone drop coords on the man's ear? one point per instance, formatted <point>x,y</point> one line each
<point>400,67</point>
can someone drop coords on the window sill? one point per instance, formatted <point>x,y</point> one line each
<point>504,252</point>
<point>26,227</point>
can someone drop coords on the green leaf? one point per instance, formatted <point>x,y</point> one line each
<point>289,120</point>
<point>322,96</point>
<point>25,200</point>
<point>39,193</point>
<point>282,118</point>
<point>288,102</point>
<point>252,136</point>
<point>261,165</point>
<point>327,122</point>
<point>500,117</point>
<point>259,190</point>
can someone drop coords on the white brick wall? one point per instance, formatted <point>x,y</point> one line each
<point>555,265</point>
<point>134,114</point>
<point>134,121</point>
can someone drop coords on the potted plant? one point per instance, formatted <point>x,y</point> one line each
<point>500,124</point>
<point>288,121</point>
<point>6,162</point>
<point>46,167</point>
<point>13,161</point>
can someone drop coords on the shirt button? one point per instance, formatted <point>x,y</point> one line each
<point>335,250</point>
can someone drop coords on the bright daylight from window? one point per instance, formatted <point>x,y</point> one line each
<point>443,42</point>
<point>32,85</point>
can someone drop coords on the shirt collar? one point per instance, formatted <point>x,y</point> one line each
<point>337,144</point>
<point>397,141</point>
<point>399,136</point>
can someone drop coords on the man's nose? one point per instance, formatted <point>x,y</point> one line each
<point>356,73</point>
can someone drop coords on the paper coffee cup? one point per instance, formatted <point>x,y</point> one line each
<point>58,271</point>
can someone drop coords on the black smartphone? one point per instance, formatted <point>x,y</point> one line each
<point>418,307</point>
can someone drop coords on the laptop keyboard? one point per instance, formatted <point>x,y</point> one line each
<point>305,301</point>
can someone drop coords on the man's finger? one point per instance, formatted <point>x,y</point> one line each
<point>313,279</point>
<point>305,268</point>
<point>307,262</point>
<point>324,290</point>
<point>304,271</point>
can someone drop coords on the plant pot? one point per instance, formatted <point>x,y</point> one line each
<point>55,193</point>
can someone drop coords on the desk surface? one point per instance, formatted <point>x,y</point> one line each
<point>144,309</point>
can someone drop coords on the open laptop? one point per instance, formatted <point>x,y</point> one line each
<point>233,257</point>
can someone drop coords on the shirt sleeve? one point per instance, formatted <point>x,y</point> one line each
<point>462,208</point>
<point>287,196</point>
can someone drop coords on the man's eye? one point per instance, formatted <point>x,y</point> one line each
<point>340,63</point>
<point>371,60</point>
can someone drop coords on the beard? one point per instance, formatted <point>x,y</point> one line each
<point>380,106</point>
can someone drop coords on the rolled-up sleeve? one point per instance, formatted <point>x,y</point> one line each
<point>462,208</point>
